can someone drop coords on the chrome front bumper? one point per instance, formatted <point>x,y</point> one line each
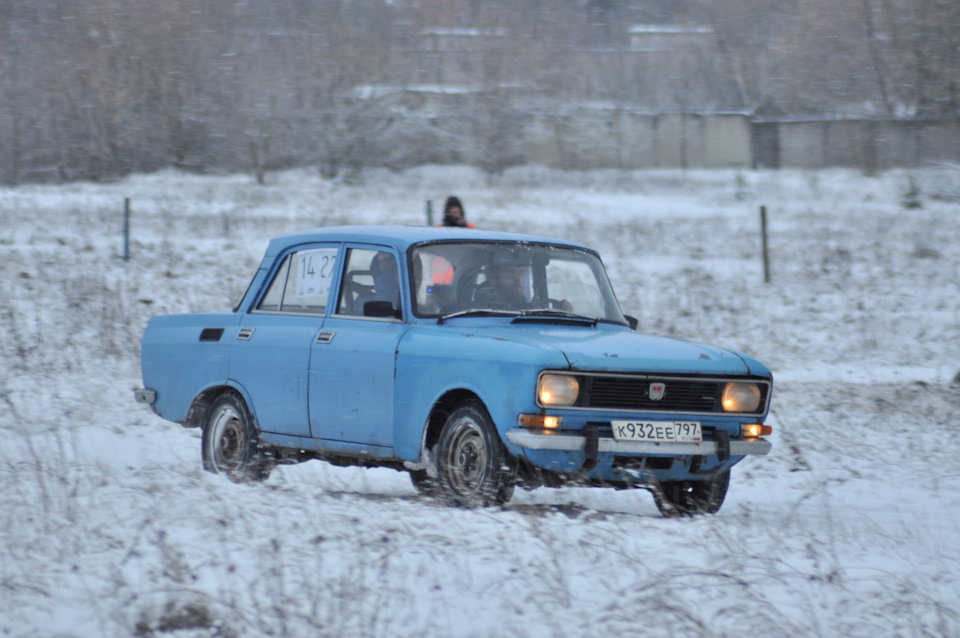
<point>570,441</point>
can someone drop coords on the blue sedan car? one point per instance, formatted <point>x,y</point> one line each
<point>476,361</point>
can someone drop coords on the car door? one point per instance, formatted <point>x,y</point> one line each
<point>352,364</point>
<point>270,356</point>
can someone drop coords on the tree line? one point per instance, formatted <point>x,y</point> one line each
<point>93,90</point>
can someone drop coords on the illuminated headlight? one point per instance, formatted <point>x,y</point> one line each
<point>558,389</point>
<point>741,397</point>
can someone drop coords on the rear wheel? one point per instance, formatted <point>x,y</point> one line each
<point>230,443</point>
<point>473,468</point>
<point>691,498</point>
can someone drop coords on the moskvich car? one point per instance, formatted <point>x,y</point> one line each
<point>476,361</point>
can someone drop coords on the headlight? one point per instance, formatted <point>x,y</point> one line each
<point>741,397</point>
<point>558,389</point>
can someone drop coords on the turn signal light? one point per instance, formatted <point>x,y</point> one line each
<point>753,430</point>
<point>539,421</point>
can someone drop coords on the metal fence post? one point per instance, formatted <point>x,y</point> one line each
<point>766,251</point>
<point>126,229</point>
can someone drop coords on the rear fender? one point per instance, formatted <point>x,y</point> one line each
<point>200,406</point>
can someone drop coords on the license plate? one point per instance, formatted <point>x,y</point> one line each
<point>665,431</point>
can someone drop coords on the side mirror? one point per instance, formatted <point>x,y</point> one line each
<point>381,309</point>
<point>633,322</point>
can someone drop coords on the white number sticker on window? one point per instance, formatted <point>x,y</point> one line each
<point>315,272</point>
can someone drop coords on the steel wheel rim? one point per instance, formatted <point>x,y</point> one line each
<point>227,440</point>
<point>466,458</point>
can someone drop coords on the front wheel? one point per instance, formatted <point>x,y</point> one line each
<point>230,443</point>
<point>473,468</point>
<point>691,498</point>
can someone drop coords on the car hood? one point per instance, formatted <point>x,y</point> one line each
<point>611,349</point>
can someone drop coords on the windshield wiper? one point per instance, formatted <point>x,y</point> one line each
<point>559,314</point>
<point>478,311</point>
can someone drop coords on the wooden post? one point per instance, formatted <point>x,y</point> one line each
<point>126,229</point>
<point>429,212</point>
<point>766,251</point>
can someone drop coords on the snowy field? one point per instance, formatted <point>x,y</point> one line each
<point>850,527</point>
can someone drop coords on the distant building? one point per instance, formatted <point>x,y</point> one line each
<point>663,96</point>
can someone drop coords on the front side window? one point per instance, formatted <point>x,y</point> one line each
<point>369,275</point>
<point>457,277</point>
<point>302,283</point>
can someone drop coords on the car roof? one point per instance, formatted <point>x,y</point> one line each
<point>402,237</point>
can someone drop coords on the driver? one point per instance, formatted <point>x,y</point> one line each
<point>505,289</point>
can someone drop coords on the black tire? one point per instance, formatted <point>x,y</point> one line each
<point>230,443</point>
<point>692,498</point>
<point>473,468</point>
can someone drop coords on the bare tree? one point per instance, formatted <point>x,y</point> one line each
<point>99,89</point>
<point>922,42</point>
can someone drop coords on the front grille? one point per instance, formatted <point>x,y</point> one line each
<point>680,394</point>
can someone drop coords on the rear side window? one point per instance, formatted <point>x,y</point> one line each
<point>302,283</point>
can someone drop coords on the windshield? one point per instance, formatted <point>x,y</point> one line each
<point>510,277</point>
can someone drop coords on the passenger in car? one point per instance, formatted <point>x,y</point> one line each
<point>386,282</point>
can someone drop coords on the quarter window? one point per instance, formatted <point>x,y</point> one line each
<point>271,300</point>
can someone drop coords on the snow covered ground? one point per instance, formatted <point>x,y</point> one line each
<point>109,527</point>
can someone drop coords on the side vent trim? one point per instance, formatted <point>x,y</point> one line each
<point>245,334</point>
<point>211,334</point>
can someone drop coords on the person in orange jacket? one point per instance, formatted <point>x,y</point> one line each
<point>453,214</point>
